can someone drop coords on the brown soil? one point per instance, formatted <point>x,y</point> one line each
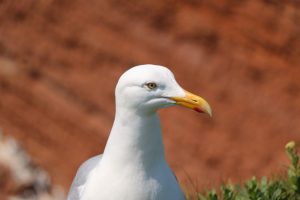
<point>60,60</point>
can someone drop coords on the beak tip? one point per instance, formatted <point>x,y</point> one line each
<point>208,111</point>
<point>194,102</point>
<point>210,114</point>
<point>204,109</point>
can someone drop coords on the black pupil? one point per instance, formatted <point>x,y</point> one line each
<point>151,85</point>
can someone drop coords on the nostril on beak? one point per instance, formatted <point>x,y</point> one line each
<point>194,100</point>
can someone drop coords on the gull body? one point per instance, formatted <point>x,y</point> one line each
<point>133,164</point>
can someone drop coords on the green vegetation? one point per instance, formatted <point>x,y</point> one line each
<point>280,188</point>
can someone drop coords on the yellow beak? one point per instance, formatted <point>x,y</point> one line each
<point>194,102</point>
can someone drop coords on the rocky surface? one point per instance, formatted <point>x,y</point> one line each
<point>60,60</point>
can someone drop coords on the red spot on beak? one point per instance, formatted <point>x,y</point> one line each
<point>198,110</point>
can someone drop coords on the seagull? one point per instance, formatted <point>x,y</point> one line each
<point>133,165</point>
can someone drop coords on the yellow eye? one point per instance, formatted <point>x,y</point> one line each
<point>151,86</point>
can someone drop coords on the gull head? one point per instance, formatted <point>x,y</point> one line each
<point>147,88</point>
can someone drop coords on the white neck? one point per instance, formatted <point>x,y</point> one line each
<point>135,138</point>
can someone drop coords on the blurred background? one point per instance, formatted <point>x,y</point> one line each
<point>60,61</point>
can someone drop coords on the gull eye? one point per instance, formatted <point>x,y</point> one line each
<point>151,85</point>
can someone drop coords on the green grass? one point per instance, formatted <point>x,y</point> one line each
<point>279,188</point>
